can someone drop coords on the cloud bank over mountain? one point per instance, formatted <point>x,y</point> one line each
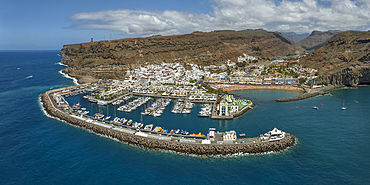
<point>287,15</point>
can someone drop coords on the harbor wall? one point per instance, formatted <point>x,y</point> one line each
<point>188,148</point>
<point>244,110</point>
<point>301,97</point>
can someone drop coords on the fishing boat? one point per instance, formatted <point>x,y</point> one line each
<point>129,122</point>
<point>199,135</point>
<point>156,114</point>
<point>102,103</point>
<point>148,127</point>
<point>186,111</point>
<point>203,114</point>
<point>77,106</point>
<point>98,116</point>
<point>93,101</point>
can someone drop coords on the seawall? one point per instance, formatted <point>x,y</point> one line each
<point>188,148</point>
<point>309,93</point>
<point>301,97</point>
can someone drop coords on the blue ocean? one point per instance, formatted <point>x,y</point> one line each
<point>332,148</point>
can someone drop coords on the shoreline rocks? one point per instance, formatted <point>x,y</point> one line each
<point>301,97</point>
<point>311,93</point>
<point>187,148</point>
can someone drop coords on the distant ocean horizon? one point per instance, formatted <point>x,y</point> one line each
<point>332,143</point>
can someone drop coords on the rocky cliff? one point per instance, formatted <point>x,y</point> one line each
<point>344,60</point>
<point>317,39</point>
<point>110,59</point>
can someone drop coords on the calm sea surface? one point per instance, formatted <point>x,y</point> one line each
<point>333,145</point>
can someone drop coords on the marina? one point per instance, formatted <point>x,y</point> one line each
<point>206,110</point>
<point>145,130</point>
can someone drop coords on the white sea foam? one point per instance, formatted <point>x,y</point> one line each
<point>44,111</point>
<point>60,63</point>
<point>67,76</point>
<point>15,81</point>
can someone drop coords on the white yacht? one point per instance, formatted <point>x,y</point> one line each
<point>344,108</point>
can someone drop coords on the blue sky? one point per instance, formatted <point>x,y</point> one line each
<point>48,25</point>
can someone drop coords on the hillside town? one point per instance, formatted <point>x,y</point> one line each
<point>246,70</point>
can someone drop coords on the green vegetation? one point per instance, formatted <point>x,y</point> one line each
<point>241,64</point>
<point>302,80</point>
<point>322,83</point>
<point>211,90</point>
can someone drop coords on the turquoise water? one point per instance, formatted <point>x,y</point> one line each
<point>333,145</point>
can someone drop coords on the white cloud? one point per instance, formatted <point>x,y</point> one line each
<point>287,15</point>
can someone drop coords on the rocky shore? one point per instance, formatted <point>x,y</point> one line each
<point>188,148</point>
<point>302,96</point>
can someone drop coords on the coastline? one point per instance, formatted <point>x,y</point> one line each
<point>306,92</point>
<point>78,79</point>
<point>309,93</point>
<point>263,87</point>
<point>173,145</point>
<point>75,80</point>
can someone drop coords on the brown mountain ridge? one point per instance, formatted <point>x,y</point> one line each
<point>317,39</point>
<point>110,59</point>
<point>344,60</point>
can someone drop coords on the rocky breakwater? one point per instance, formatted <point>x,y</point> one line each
<point>302,96</point>
<point>309,93</point>
<point>188,148</point>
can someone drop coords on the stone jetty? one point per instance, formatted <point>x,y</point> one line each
<point>302,96</point>
<point>173,145</point>
<point>309,93</point>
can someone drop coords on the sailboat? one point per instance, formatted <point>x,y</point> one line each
<point>343,108</point>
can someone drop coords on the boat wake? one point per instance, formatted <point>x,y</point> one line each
<point>67,76</point>
<point>15,81</point>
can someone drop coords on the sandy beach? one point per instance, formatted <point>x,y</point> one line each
<point>230,88</point>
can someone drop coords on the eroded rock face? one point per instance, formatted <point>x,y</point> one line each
<point>350,77</point>
<point>344,60</point>
<point>317,39</point>
<point>102,58</point>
